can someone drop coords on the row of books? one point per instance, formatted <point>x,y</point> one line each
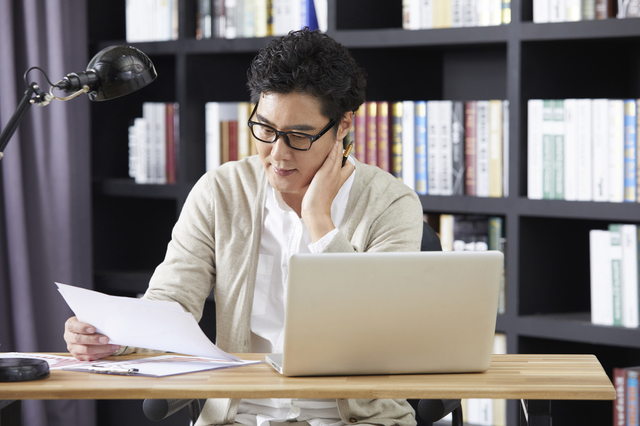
<point>154,144</point>
<point>227,136</point>
<point>426,14</point>
<point>625,406</point>
<point>583,10</point>
<point>466,232</point>
<point>583,150</point>
<point>258,18</point>
<point>437,147</point>
<point>614,275</point>
<point>151,20</point>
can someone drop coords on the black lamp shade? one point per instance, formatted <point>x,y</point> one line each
<point>120,70</point>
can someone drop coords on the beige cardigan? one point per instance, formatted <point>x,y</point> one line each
<point>215,245</point>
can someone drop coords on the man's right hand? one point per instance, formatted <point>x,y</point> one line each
<point>84,343</point>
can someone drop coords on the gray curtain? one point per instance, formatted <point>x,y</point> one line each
<point>45,222</point>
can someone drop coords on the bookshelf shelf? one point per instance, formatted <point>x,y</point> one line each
<point>547,251</point>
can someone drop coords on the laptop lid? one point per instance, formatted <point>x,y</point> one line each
<point>390,313</point>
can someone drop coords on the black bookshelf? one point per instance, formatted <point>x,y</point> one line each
<point>547,259</point>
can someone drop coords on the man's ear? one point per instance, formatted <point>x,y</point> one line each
<point>345,125</point>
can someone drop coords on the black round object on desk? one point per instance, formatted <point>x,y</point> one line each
<point>23,369</point>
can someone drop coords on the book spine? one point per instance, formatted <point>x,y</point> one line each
<point>482,147</point>
<point>557,11</point>
<point>244,138</point>
<point>260,18</point>
<point>219,19</point>
<point>548,150</point>
<point>445,158</point>
<point>170,144</point>
<point>602,9</point>
<point>619,405</point>
<point>233,140</point>
<point>630,150</point>
<point>468,13</point>
<point>382,129</point>
<point>506,12</point>
<point>588,10</point>
<point>600,141</point>
<point>360,134</point>
<point>584,144</point>
<point>427,18</point>
<point>570,150</point>
<point>632,395</point>
<point>601,283</point>
<point>212,136</point>
<point>470,147</point>
<point>446,232</point>
<point>411,14</point>
<point>630,301</point>
<point>616,150</point>
<point>574,10</point>
<point>558,135</point>
<point>616,272</point>
<point>176,139</point>
<point>541,11</point>
<point>421,164</point>
<point>433,148</point>
<point>505,148</point>
<point>534,149</point>
<point>457,148</point>
<point>372,133</point>
<point>496,242</point>
<point>495,148</point>
<point>231,17</point>
<point>396,139</point>
<point>408,144</point>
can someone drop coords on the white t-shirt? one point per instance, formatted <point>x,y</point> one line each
<point>285,234</point>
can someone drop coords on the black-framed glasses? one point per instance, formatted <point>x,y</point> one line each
<point>295,140</point>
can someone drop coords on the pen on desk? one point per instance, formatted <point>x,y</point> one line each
<point>110,370</point>
<point>347,151</point>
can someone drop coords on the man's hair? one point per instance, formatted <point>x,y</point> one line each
<point>309,62</point>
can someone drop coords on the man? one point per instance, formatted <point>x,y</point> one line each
<point>242,222</point>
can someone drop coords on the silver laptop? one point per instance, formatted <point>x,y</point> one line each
<point>390,313</point>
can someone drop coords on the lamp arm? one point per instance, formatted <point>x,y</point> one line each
<point>32,95</point>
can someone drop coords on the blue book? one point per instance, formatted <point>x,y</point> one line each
<point>630,150</point>
<point>309,17</point>
<point>421,147</point>
<point>632,396</point>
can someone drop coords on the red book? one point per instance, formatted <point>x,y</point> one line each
<point>620,403</point>
<point>360,139</point>
<point>382,129</point>
<point>372,133</point>
<point>170,146</point>
<point>470,147</point>
<point>233,141</point>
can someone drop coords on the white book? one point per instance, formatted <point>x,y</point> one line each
<point>482,148</point>
<point>483,17</point>
<point>296,15</point>
<point>630,301</point>
<point>411,14</point>
<point>548,149</point>
<point>495,12</point>
<point>557,11</point>
<point>160,145</point>
<point>573,10</point>
<point>148,113</point>
<point>426,17</point>
<point>445,158</point>
<point>456,13</point>
<point>469,13</point>
<point>616,150</point>
<point>142,141</point>
<point>495,148</point>
<point>408,144</point>
<point>600,149</point>
<point>616,272</point>
<point>212,135</point>
<point>248,15</point>
<point>260,18</point>
<point>583,147</point>
<point>505,148</point>
<point>570,149</point>
<point>541,11</point>
<point>534,149</point>
<point>433,148</point>
<point>558,136</point>
<point>321,14</point>
<point>282,16</point>
<point>244,134</point>
<point>133,153</point>
<point>601,281</point>
<point>231,18</point>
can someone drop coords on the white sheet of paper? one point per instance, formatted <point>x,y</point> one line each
<point>141,323</point>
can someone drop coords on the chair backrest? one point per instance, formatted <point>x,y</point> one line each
<point>430,240</point>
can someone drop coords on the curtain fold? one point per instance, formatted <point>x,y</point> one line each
<point>45,200</point>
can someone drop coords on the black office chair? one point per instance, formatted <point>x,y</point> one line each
<point>429,410</point>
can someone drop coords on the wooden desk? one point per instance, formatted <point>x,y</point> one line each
<point>527,377</point>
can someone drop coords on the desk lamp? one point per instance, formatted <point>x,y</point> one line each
<point>113,72</point>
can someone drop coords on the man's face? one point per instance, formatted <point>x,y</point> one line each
<point>290,171</point>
